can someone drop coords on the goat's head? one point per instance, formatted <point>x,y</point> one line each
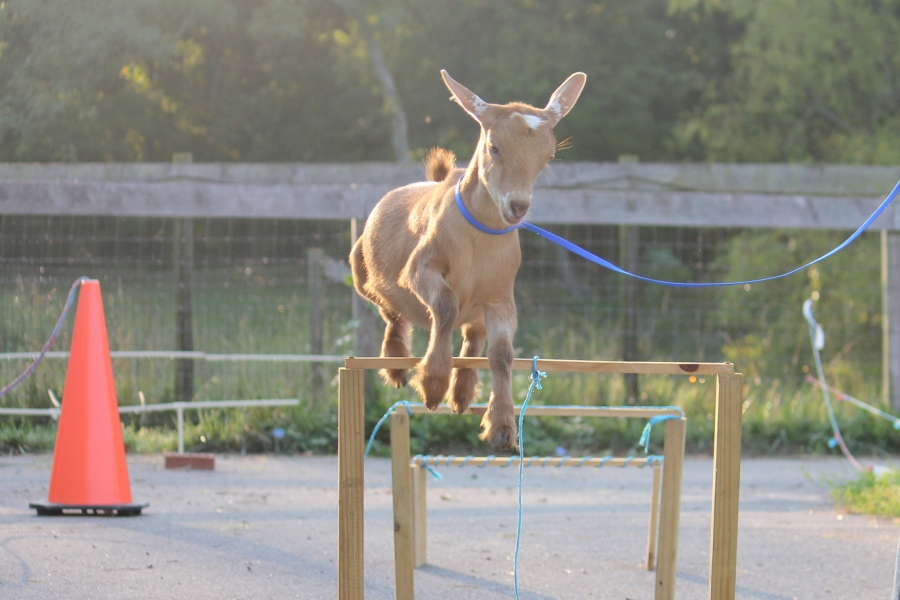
<point>516,142</point>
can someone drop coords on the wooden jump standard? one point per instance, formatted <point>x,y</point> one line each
<point>412,513</point>
<point>726,464</point>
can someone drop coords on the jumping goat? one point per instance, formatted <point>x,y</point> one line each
<point>423,264</point>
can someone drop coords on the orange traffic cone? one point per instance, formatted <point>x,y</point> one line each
<point>89,473</point>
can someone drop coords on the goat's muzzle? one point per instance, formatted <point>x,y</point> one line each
<point>518,208</point>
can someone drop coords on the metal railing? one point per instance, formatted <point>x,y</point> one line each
<point>178,407</point>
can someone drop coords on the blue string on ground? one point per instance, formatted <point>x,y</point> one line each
<point>46,347</point>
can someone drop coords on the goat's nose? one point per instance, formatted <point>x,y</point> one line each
<point>518,208</point>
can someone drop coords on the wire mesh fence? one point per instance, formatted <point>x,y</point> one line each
<point>280,286</point>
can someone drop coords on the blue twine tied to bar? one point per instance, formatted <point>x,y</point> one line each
<point>645,435</point>
<point>535,383</point>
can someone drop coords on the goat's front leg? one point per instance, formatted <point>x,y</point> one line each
<point>464,381</point>
<point>432,378</point>
<point>395,344</point>
<point>499,423</point>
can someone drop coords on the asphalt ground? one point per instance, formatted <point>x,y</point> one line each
<point>266,527</point>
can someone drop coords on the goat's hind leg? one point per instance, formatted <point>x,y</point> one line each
<point>464,382</point>
<point>396,345</point>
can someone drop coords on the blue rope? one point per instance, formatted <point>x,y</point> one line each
<point>535,383</point>
<point>605,263</point>
<point>50,341</point>
<point>384,418</point>
<point>645,435</point>
<point>428,467</point>
<point>817,339</point>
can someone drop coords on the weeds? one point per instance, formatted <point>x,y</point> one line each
<point>871,494</point>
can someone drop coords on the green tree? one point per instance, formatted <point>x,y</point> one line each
<point>100,80</point>
<point>645,69</point>
<point>813,81</point>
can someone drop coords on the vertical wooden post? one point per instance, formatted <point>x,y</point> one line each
<point>183,255</point>
<point>726,487</point>
<point>351,450</point>
<point>890,320</point>
<point>629,256</point>
<point>673,465</point>
<point>404,551</point>
<point>418,481</point>
<point>654,518</point>
<point>315,258</point>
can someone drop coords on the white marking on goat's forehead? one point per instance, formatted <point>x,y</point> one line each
<point>533,121</point>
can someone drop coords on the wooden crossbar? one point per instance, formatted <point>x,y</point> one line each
<point>556,366</point>
<point>633,412</point>
<point>531,461</point>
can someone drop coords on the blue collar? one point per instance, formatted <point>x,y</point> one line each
<point>474,222</point>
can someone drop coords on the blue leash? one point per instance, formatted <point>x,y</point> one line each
<point>605,263</point>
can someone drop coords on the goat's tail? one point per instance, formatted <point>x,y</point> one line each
<point>438,164</point>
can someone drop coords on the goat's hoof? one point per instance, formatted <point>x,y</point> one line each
<point>501,438</point>
<point>458,404</point>
<point>432,388</point>
<point>396,377</point>
<point>464,384</point>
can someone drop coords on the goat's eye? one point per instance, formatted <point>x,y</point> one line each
<point>494,150</point>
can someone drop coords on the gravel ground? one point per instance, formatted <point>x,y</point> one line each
<point>266,527</point>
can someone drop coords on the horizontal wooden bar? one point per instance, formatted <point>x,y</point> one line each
<point>675,194</point>
<point>535,461</point>
<point>556,366</point>
<point>633,412</point>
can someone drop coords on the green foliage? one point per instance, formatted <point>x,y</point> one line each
<point>137,81</point>
<point>812,81</point>
<point>871,494</point>
<point>278,80</point>
<point>20,436</point>
<point>769,339</point>
<point>282,80</point>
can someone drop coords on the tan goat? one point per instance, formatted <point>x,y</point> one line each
<point>421,263</point>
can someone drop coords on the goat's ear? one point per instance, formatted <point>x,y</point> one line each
<point>564,98</point>
<point>472,104</point>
